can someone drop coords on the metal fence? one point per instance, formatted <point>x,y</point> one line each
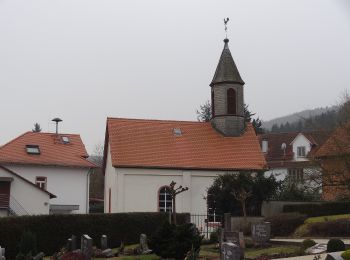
<point>206,223</point>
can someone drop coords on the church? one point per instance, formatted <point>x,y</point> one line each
<point>142,157</point>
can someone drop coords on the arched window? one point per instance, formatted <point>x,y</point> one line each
<point>165,203</point>
<point>212,104</point>
<point>231,101</point>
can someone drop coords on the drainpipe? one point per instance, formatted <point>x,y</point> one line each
<point>87,190</point>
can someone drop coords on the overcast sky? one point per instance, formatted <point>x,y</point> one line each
<point>85,60</point>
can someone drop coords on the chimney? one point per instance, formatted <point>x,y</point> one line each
<point>57,120</point>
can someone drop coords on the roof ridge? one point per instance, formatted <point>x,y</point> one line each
<point>154,120</point>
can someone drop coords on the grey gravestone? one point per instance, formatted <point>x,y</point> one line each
<point>2,253</point>
<point>334,256</point>
<point>86,246</point>
<point>241,240</point>
<point>74,242</point>
<point>107,252</point>
<point>39,256</point>
<point>69,245</point>
<point>261,232</point>
<point>104,242</point>
<point>317,249</point>
<point>230,251</point>
<point>143,244</point>
<point>231,236</point>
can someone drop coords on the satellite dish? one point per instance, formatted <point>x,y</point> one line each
<point>283,146</point>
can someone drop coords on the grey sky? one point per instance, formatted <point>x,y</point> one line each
<point>85,60</point>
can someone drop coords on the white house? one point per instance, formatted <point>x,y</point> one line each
<point>18,196</point>
<point>142,157</point>
<point>289,155</point>
<point>54,162</point>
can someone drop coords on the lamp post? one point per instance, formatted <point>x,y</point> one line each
<point>173,192</point>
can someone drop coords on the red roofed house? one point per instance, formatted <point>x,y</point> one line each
<point>53,164</point>
<point>334,156</point>
<point>142,157</point>
<point>289,156</point>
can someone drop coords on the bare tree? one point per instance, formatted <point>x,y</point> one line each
<point>242,195</point>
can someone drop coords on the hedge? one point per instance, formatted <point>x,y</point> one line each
<point>285,224</point>
<point>52,231</point>
<point>332,228</point>
<point>322,209</point>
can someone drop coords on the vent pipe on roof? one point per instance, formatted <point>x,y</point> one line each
<point>57,120</point>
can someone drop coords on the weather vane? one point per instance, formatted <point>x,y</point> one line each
<point>225,22</point>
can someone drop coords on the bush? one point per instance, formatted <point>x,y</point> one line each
<point>285,224</point>
<point>339,227</point>
<point>335,245</point>
<point>52,231</point>
<point>320,209</point>
<point>27,244</point>
<point>307,243</point>
<point>346,255</point>
<point>171,241</point>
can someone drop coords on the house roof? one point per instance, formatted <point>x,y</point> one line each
<point>27,181</point>
<point>53,150</point>
<point>275,154</point>
<point>153,144</point>
<point>337,144</point>
<point>226,71</point>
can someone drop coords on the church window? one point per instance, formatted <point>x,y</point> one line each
<point>212,104</point>
<point>231,101</point>
<point>165,203</point>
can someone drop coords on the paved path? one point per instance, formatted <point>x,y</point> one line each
<point>317,240</point>
<point>306,257</point>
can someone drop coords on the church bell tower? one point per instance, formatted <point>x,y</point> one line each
<point>227,96</point>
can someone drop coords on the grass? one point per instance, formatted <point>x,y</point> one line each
<point>303,229</point>
<point>255,252</point>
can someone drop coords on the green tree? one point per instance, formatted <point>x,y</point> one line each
<point>204,113</point>
<point>36,128</point>
<point>221,199</point>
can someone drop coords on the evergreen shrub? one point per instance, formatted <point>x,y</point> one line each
<point>335,245</point>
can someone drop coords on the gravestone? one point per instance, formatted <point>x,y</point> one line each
<point>241,240</point>
<point>104,242</point>
<point>230,251</point>
<point>2,253</point>
<point>107,253</point>
<point>334,256</point>
<point>231,236</point>
<point>39,256</point>
<point>143,244</point>
<point>317,249</point>
<point>86,246</point>
<point>261,232</point>
<point>69,245</point>
<point>74,242</point>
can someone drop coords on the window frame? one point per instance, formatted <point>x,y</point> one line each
<point>164,208</point>
<point>231,101</point>
<point>296,175</point>
<point>30,149</point>
<point>301,151</point>
<point>40,182</point>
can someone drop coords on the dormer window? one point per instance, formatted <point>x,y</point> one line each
<point>32,149</point>
<point>301,151</point>
<point>65,139</point>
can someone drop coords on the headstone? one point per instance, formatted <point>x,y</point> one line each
<point>2,253</point>
<point>231,236</point>
<point>261,232</point>
<point>104,244</point>
<point>107,253</point>
<point>334,256</point>
<point>230,251</point>
<point>74,242</point>
<point>317,249</point>
<point>241,240</point>
<point>86,246</point>
<point>39,256</point>
<point>143,245</point>
<point>69,245</point>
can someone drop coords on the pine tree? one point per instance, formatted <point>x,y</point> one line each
<point>36,128</point>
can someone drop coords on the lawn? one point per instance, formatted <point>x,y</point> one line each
<point>273,250</point>
<point>303,229</point>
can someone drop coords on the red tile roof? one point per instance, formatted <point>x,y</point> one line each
<point>337,144</point>
<point>275,155</point>
<point>53,151</point>
<point>153,144</point>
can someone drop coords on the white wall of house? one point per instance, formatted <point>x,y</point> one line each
<point>70,185</point>
<point>30,198</point>
<point>136,189</point>
<point>300,141</point>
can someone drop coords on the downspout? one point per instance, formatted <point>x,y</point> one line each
<point>88,190</point>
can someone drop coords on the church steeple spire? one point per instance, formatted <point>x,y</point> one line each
<point>226,71</point>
